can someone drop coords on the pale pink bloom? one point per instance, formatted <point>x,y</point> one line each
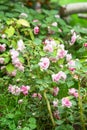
<point>25,89</point>
<point>68,57</point>
<point>16,62</point>
<point>57,16</point>
<point>39,96</point>
<point>2,60</point>
<point>21,46</point>
<point>71,65</point>
<point>44,63</point>
<point>35,20</point>
<point>23,15</point>
<point>2,47</point>
<point>15,90</point>
<point>36,30</point>
<point>55,91</point>
<point>55,103</point>
<point>54,24</point>
<point>61,53</point>
<point>73,38</point>
<point>49,42</point>
<point>58,76</point>
<point>66,102</point>
<point>34,95</point>
<point>76,94</point>
<point>14,53</point>
<point>73,92</point>
<point>20,101</point>
<point>13,73</point>
<point>3,36</point>
<point>48,48</point>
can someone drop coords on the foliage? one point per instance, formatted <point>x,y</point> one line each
<point>39,66</point>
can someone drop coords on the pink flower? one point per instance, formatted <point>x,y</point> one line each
<point>2,47</point>
<point>14,53</point>
<point>66,102</point>
<point>25,89</point>
<point>58,76</point>
<point>73,38</point>
<point>44,63</point>
<point>73,92</point>
<point>54,24</point>
<point>55,103</point>
<point>21,46</point>
<point>39,96</point>
<point>71,65</point>
<point>2,60</point>
<point>85,44</point>
<point>48,48</point>
<point>15,90</point>
<point>36,30</point>
<point>61,53</point>
<point>55,91</point>
<point>68,57</point>
<point>13,73</point>
<point>34,95</point>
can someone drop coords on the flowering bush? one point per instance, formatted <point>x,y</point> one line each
<point>43,79</point>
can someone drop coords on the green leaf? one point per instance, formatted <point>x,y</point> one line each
<point>32,126</point>
<point>23,22</point>
<point>10,31</point>
<point>37,41</point>
<point>26,128</point>
<point>32,120</point>
<point>31,35</point>
<point>10,116</point>
<point>10,68</point>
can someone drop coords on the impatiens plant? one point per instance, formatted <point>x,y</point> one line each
<point>42,73</point>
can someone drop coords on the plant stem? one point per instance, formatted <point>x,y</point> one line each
<point>80,107</point>
<point>49,109</point>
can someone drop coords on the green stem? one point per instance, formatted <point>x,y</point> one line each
<point>80,107</point>
<point>49,109</point>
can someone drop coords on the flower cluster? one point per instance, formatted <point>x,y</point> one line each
<point>15,60</point>
<point>58,76</point>
<point>15,90</point>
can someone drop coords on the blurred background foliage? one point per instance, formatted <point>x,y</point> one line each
<point>7,6</point>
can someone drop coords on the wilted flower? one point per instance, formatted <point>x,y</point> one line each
<point>56,114</point>
<point>55,91</point>
<point>55,103</point>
